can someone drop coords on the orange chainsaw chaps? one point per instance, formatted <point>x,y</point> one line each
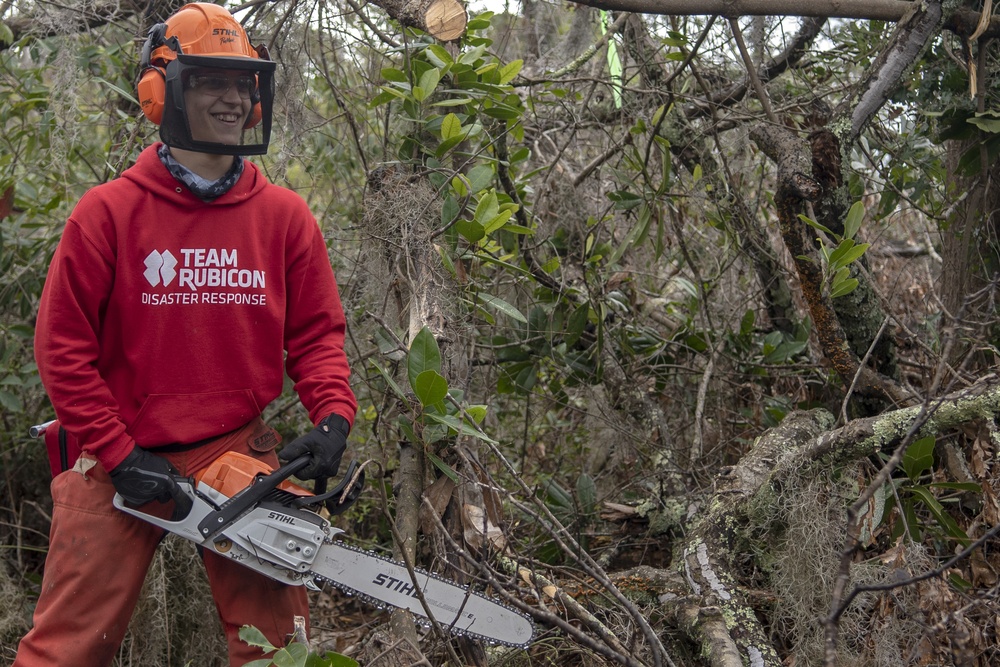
<point>232,472</point>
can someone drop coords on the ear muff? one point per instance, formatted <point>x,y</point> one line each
<point>151,88</point>
<point>152,91</point>
<point>256,113</point>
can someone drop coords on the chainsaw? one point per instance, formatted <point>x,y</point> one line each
<point>239,508</point>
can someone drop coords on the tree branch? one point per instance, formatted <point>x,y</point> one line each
<point>882,10</point>
<point>913,33</point>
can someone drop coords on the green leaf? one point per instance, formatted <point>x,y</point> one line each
<point>971,487</point>
<point>293,655</point>
<point>487,208</point>
<point>451,127</point>
<point>439,56</point>
<point>449,209</point>
<point>499,221</point>
<point>638,231</point>
<point>424,355</point>
<point>476,412</point>
<point>448,144</point>
<point>854,219</point>
<point>918,457</point>
<point>510,70</point>
<point>502,111</point>
<point>815,225</point>
<point>959,582</point>
<point>944,519</point>
<point>254,637</point>
<point>556,496</point>
<point>456,424</point>
<point>6,34</point>
<point>853,254</point>
<point>480,177</point>
<point>429,80</point>
<point>624,200</point>
<point>834,256</point>
<point>393,74</point>
<point>844,288</point>
<point>471,230</point>
<point>396,389</point>
<point>430,387</point>
<point>444,468</point>
<point>988,121</point>
<point>452,102</point>
<point>382,98</point>
<point>118,89</point>
<point>499,304</point>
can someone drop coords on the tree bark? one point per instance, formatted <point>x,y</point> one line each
<point>970,249</point>
<point>796,185</point>
<point>882,10</point>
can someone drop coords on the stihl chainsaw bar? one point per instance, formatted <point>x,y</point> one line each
<point>381,581</point>
<point>239,509</point>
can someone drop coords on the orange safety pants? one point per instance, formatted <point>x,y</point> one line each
<point>98,557</point>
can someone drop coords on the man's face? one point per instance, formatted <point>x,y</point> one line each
<point>218,104</point>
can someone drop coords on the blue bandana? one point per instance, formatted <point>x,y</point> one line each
<point>202,188</point>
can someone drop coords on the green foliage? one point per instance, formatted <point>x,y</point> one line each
<point>577,512</point>
<point>837,260</point>
<point>920,508</point>
<point>292,655</point>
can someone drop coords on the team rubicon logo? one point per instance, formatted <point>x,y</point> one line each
<point>160,268</point>
<point>204,273</point>
<point>200,267</point>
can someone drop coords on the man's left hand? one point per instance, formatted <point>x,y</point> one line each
<point>325,443</point>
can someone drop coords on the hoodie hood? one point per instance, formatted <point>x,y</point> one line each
<point>150,175</point>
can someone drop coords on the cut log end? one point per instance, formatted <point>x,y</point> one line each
<point>446,19</point>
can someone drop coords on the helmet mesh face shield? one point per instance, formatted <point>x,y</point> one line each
<point>199,37</point>
<point>175,127</point>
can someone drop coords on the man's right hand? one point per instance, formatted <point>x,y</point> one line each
<point>143,477</point>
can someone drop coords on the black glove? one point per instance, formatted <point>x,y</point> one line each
<point>143,477</point>
<point>326,443</point>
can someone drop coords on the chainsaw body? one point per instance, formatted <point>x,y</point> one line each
<point>240,509</point>
<point>271,537</point>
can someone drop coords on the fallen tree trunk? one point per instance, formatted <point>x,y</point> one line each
<point>703,592</point>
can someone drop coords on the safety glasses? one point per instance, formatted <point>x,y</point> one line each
<point>217,85</point>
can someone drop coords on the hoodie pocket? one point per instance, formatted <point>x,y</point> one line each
<point>185,418</point>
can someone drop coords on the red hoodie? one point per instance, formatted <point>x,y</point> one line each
<point>164,318</point>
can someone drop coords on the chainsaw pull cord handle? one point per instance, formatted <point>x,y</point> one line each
<point>341,497</point>
<point>249,497</point>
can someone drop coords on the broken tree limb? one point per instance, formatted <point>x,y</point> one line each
<point>914,32</point>
<point>444,19</point>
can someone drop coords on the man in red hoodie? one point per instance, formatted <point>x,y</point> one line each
<point>178,297</point>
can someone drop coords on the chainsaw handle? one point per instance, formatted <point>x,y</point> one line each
<point>182,501</point>
<point>249,497</point>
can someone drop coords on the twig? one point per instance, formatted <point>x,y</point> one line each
<point>752,71</point>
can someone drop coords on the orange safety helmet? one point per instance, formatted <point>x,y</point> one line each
<point>197,36</point>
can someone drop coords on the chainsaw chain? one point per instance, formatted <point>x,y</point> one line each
<point>422,621</point>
